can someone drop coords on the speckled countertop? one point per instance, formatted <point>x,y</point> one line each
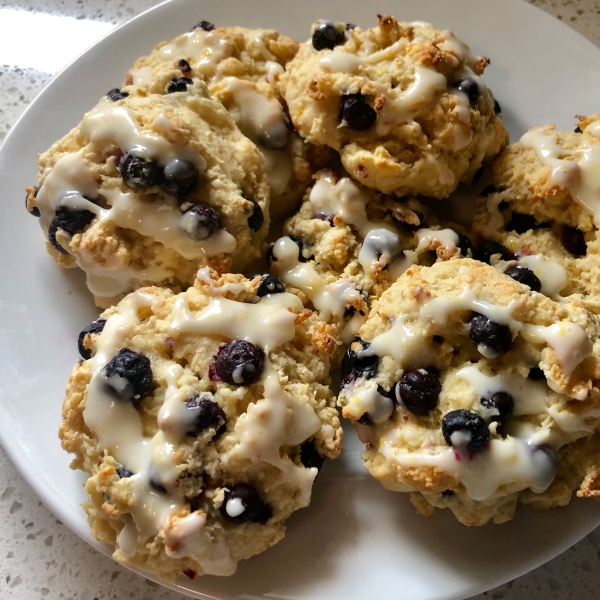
<point>39,556</point>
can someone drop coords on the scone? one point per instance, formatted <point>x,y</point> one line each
<point>241,67</point>
<point>404,104</point>
<point>202,420</point>
<point>349,243</point>
<point>150,187</point>
<point>473,392</point>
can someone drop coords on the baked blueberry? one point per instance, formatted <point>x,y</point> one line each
<point>469,87</point>
<point>487,248</point>
<point>180,177</point>
<point>204,25</point>
<point>35,211</point>
<point>350,26</point>
<point>158,486</point>
<point>578,130</point>
<point>327,35</point>
<point>184,66</point>
<point>137,172</point>
<point>257,218</point>
<point>502,402</point>
<point>243,504</point>
<point>52,231</point>
<point>270,285</point>
<point>573,240</point>
<point>309,456</point>
<point>205,414</point>
<point>354,365</point>
<point>179,84</point>
<point>116,94</point>
<point>419,391</point>
<point>497,108</point>
<point>240,363</point>
<point>356,112</point>
<point>200,221</point>
<point>298,241</point>
<point>95,327</point>
<point>521,223</point>
<point>124,473</point>
<point>493,336</point>
<point>465,246</point>
<point>129,375</point>
<point>525,276</point>
<point>536,374</point>
<point>324,217</point>
<point>474,431</point>
<point>69,220</point>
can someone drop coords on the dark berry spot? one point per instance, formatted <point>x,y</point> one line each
<point>474,429</point>
<point>204,25</point>
<point>257,218</point>
<point>573,240</point>
<point>244,497</point>
<point>350,26</point>
<point>190,573</point>
<point>354,365</point>
<point>72,221</point>
<point>536,374</point>
<point>184,66</point>
<point>578,130</point>
<point>525,276</point>
<point>309,456</point>
<point>448,493</point>
<point>438,339</point>
<point>129,375</point>
<point>365,419</point>
<point>356,112</point>
<point>497,108</point>
<point>487,248</point>
<point>52,231</point>
<point>419,390</point>
<point>137,172</point>
<point>116,94</point>
<point>240,362</point>
<point>478,175</point>
<point>502,402</point>
<point>206,414</point>
<point>157,486</point>
<point>199,222</point>
<point>180,177</point>
<point>469,87</point>
<point>35,211</point>
<point>95,327</point>
<point>124,473</point>
<point>298,241</point>
<point>494,336</point>
<point>270,285</point>
<point>324,217</point>
<point>179,84</point>
<point>212,373</point>
<point>521,223</point>
<point>465,246</point>
<point>327,35</point>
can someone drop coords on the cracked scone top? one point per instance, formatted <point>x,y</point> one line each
<point>347,244</point>
<point>474,393</point>
<point>241,67</point>
<point>403,103</point>
<point>148,188</point>
<point>202,420</point>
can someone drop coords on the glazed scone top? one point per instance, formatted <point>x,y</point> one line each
<point>156,465</point>
<point>423,118</point>
<point>119,194</point>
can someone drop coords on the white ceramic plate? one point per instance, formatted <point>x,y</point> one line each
<point>357,540</point>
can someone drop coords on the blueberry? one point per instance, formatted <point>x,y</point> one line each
<point>350,26</point>
<point>465,245</point>
<point>157,486</point>
<point>179,84</point>
<point>129,375</point>
<point>200,221</point>
<point>469,87</point>
<point>240,363</point>
<point>206,414</point>
<point>270,285</point>
<point>354,366</point>
<point>257,218</point>
<point>536,374</point>
<point>204,25</point>
<point>419,390</point>
<point>184,66</point>
<point>438,339</point>
<point>137,172</point>
<point>116,94</point>
<point>501,401</point>
<point>124,473</point>
<point>35,211</point>
<point>578,130</point>
<point>309,456</point>
<point>327,35</point>
<point>469,423</point>
<point>525,276</point>
<point>487,248</point>
<point>298,241</point>
<point>180,177</point>
<point>69,220</point>
<point>497,108</point>
<point>255,509</point>
<point>484,331</point>
<point>356,112</point>
<point>52,231</point>
<point>573,240</point>
<point>521,223</point>
<point>448,493</point>
<point>324,217</point>
<point>95,327</point>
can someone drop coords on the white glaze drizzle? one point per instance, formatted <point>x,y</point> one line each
<point>204,50</point>
<point>551,274</point>
<point>341,62</point>
<point>365,398</point>
<point>431,238</point>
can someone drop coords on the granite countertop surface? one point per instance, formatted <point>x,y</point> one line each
<point>39,556</point>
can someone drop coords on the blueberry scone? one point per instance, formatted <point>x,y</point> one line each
<point>474,392</point>
<point>349,243</point>
<point>404,104</point>
<point>202,419</point>
<point>148,188</point>
<point>241,67</point>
